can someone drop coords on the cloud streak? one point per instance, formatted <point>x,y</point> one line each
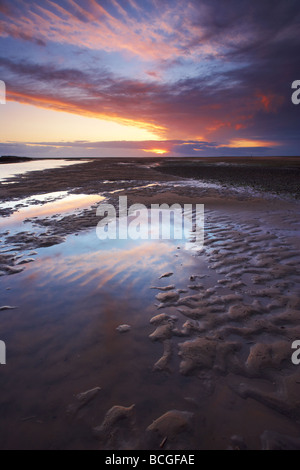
<point>170,148</point>
<point>187,107</point>
<point>205,71</point>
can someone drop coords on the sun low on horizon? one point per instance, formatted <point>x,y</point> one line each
<point>100,78</point>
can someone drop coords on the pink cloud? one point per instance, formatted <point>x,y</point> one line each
<point>164,35</point>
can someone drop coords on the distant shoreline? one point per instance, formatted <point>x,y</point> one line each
<point>245,160</point>
<point>277,175</point>
<point>273,175</point>
<point>5,159</point>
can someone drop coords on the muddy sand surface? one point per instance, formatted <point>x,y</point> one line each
<point>147,344</point>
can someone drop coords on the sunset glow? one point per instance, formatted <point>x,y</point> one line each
<point>238,143</point>
<point>36,124</point>
<point>158,151</point>
<point>135,71</point>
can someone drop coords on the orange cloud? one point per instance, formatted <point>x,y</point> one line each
<point>240,143</point>
<point>240,126</point>
<point>269,102</point>
<point>44,101</point>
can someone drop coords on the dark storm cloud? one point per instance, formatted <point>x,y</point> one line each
<point>235,62</point>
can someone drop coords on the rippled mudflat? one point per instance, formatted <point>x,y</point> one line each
<point>205,359</point>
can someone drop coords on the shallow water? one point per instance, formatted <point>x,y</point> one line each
<point>62,340</point>
<point>9,170</point>
<point>45,205</point>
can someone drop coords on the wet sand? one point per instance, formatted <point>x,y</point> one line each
<point>280,175</point>
<point>205,362</point>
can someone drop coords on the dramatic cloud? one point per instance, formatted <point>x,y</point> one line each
<point>202,71</point>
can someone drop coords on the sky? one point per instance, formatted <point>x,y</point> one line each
<point>149,77</point>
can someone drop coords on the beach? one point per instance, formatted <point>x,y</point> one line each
<point>151,343</point>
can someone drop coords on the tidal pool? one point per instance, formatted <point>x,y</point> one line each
<point>10,170</point>
<point>62,338</point>
<point>45,205</point>
<point>231,301</point>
